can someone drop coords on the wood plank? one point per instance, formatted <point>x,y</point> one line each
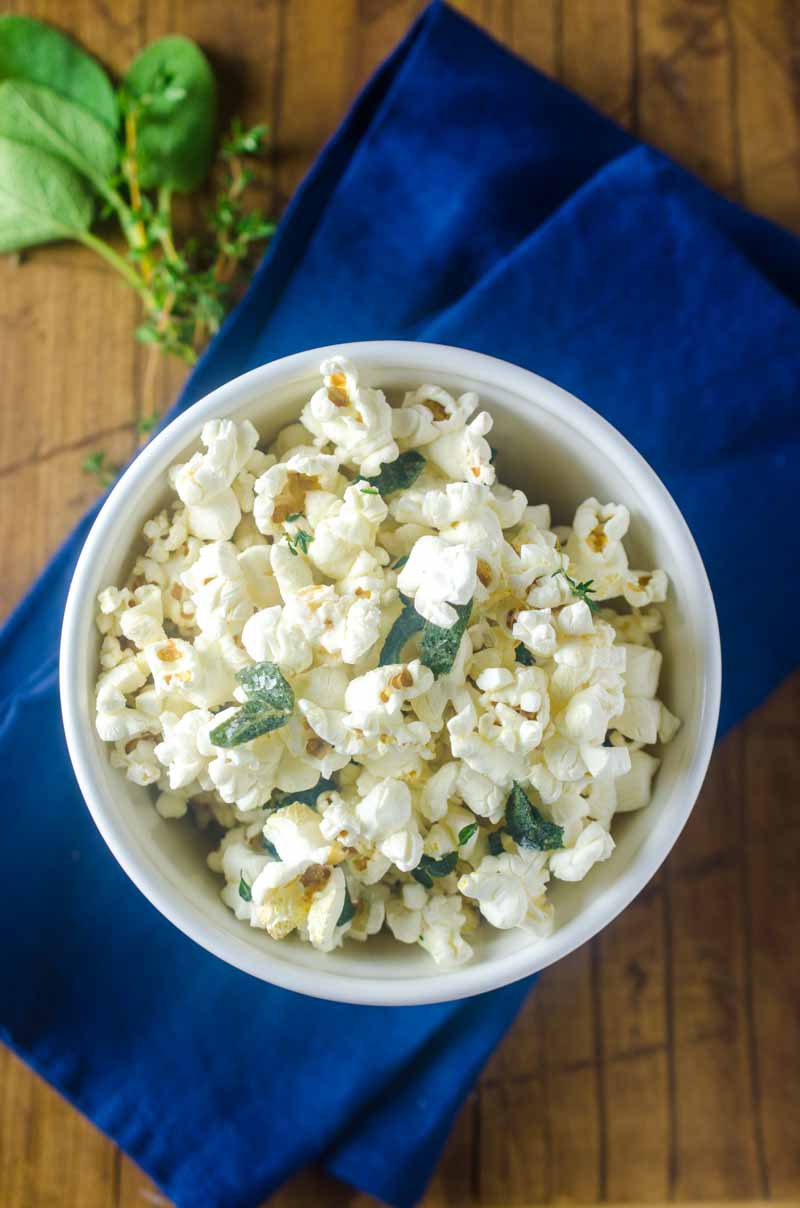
<point>684,73</point>
<point>766,44</point>
<point>636,1077</point>
<point>773,896</point>
<point>715,1154</point>
<point>598,57</point>
<point>50,1155</point>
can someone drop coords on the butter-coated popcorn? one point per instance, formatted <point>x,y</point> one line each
<point>374,791</point>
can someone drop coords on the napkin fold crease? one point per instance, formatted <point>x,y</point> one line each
<point>469,200</point>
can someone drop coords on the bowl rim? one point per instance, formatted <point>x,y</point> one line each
<point>469,979</point>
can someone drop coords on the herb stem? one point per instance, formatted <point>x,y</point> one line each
<point>166,236</point>
<point>116,261</point>
<point>129,170</point>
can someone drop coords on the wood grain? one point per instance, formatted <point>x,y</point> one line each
<point>661,1063</point>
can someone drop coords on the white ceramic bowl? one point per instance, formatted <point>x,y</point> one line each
<point>558,451</point>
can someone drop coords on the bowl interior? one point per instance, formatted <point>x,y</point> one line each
<point>555,455</point>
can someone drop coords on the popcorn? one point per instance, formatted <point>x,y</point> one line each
<point>465,455</point>
<point>219,590</point>
<point>384,817</point>
<point>179,751</point>
<point>641,588</point>
<point>634,788</point>
<point>204,482</point>
<point>283,491</point>
<point>439,575</point>
<point>115,720</point>
<point>291,558</point>
<point>510,891</point>
<point>534,628</point>
<point>356,420</point>
<point>592,845</point>
<point>429,412</point>
<point>177,667</point>
<point>443,920</point>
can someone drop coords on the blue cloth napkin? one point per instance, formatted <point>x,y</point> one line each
<point>469,200</point>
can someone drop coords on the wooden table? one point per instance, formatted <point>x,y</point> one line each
<point>662,1061</point>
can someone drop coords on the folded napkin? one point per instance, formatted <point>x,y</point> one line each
<point>468,200</point>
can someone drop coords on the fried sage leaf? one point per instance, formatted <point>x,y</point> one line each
<point>527,827</point>
<point>398,475</point>
<point>269,706</point>
<point>407,624</point>
<point>428,868</point>
<point>440,646</point>
<point>348,909</point>
<point>523,655</point>
<point>306,797</point>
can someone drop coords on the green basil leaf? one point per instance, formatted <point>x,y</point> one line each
<point>399,474</point>
<point>428,868</point>
<point>439,646</point>
<point>41,198</point>
<point>170,89</point>
<point>523,655</point>
<point>32,51</point>
<point>348,909</point>
<point>407,624</point>
<point>269,848</point>
<point>244,889</point>
<point>527,827</point>
<point>39,117</point>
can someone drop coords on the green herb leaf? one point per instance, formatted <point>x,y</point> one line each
<point>269,848</point>
<point>299,540</point>
<point>41,198</point>
<point>270,704</point>
<point>428,868</point>
<point>348,909</point>
<point>295,516</point>
<point>32,51</point>
<point>370,491</point>
<point>407,624</point>
<point>400,563</point>
<point>244,142</point>
<point>581,591</point>
<point>96,465</point>
<point>527,827</point>
<point>244,889</point>
<point>147,423</point>
<point>39,117</point>
<point>306,797</point>
<point>495,843</point>
<point>439,646</point>
<point>171,92</point>
<point>523,655</point>
<point>265,679</point>
<point>466,833</point>
<point>399,474</point>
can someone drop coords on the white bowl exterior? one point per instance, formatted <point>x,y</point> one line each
<point>558,451</point>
